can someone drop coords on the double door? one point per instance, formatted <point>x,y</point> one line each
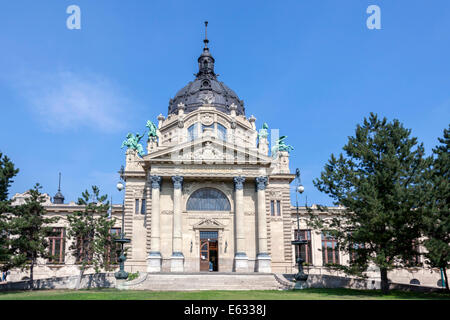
<point>209,251</point>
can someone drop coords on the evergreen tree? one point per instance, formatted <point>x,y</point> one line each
<point>437,213</point>
<point>7,173</point>
<point>377,181</point>
<point>90,231</point>
<point>30,231</point>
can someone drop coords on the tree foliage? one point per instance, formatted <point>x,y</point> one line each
<point>30,229</point>
<point>437,214</point>
<point>377,180</point>
<point>7,173</point>
<point>90,232</point>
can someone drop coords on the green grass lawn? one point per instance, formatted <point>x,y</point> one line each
<point>307,294</point>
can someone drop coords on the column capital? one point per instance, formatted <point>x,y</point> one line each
<point>261,183</point>
<point>156,182</point>
<point>177,182</point>
<point>239,182</point>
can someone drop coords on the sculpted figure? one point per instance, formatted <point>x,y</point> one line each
<point>132,142</point>
<point>152,136</point>
<point>280,145</point>
<point>263,132</point>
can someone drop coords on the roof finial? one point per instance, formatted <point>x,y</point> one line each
<point>206,35</point>
<point>58,198</point>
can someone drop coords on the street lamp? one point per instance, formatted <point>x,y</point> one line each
<point>122,274</point>
<point>300,276</point>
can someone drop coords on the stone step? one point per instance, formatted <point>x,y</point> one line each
<point>208,281</point>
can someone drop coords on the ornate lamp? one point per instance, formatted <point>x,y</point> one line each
<point>300,276</point>
<point>122,274</point>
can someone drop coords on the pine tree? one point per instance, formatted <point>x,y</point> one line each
<point>377,181</point>
<point>437,213</point>
<point>30,230</point>
<point>90,233</point>
<point>7,173</point>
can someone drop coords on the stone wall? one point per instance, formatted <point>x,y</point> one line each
<point>89,281</point>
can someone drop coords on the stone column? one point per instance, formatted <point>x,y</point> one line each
<point>263,258</point>
<point>240,258</point>
<point>177,259</point>
<point>154,258</point>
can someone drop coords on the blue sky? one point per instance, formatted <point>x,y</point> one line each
<point>310,68</point>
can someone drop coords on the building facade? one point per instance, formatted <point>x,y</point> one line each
<point>209,195</point>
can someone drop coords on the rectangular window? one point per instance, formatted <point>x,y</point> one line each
<point>136,207</point>
<point>354,247</point>
<point>84,249</point>
<point>272,207</point>
<point>278,208</point>
<point>143,206</point>
<point>330,250</point>
<point>306,250</point>
<point>57,246</point>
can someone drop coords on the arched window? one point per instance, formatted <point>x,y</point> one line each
<point>221,132</point>
<point>208,199</point>
<point>193,132</point>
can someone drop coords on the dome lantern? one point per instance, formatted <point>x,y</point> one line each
<point>206,89</point>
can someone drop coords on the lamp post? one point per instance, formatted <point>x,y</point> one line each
<point>300,276</point>
<point>122,274</point>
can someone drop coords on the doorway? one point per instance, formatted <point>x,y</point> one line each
<point>209,251</point>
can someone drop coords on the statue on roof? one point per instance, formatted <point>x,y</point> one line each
<point>132,142</point>
<point>280,145</point>
<point>152,128</point>
<point>263,132</point>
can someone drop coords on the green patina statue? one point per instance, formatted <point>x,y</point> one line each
<point>280,145</point>
<point>263,132</point>
<point>132,142</point>
<point>152,136</point>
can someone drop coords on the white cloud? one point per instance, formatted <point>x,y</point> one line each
<point>66,101</point>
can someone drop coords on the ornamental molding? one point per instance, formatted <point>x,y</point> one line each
<point>208,224</point>
<point>207,98</point>
<point>261,182</point>
<point>208,148</point>
<point>167,212</point>
<point>225,217</point>
<point>177,182</point>
<point>275,194</point>
<point>239,182</point>
<point>249,213</point>
<point>207,152</point>
<point>207,119</point>
<point>155,181</point>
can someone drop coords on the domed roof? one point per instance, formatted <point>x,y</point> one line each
<point>206,89</point>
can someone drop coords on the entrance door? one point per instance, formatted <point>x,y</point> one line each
<point>209,251</point>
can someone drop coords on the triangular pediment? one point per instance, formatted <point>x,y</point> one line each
<point>208,223</point>
<point>209,151</point>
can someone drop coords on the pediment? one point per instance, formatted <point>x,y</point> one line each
<point>208,223</point>
<point>209,151</point>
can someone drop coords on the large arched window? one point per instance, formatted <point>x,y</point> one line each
<point>208,199</point>
<point>197,128</point>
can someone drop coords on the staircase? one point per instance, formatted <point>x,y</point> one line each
<point>202,281</point>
